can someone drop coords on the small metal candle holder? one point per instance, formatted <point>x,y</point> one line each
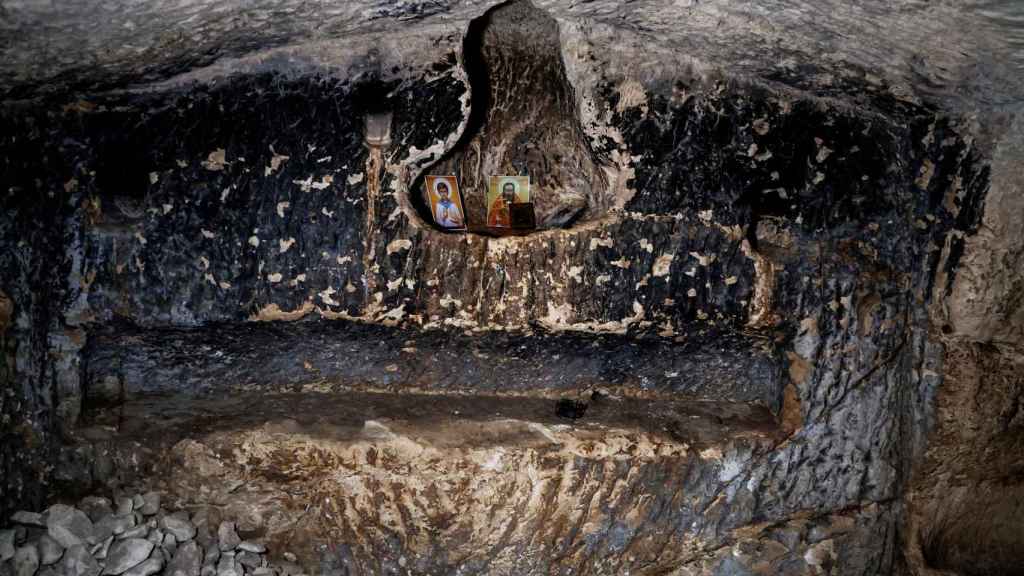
<point>377,130</point>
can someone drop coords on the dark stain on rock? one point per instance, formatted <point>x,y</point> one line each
<point>570,409</point>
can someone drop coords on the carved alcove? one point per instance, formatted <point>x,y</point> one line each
<point>523,121</point>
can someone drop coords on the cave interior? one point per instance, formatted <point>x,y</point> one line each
<point>768,321</point>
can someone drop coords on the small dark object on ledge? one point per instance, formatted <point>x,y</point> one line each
<point>571,409</point>
<point>522,215</point>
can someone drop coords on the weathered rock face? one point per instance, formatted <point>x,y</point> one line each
<point>966,501</point>
<point>525,122</point>
<point>442,483</point>
<point>746,351</point>
<point>906,51</point>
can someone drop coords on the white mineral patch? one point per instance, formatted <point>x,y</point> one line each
<point>493,462</point>
<point>631,95</point>
<point>377,429</point>
<point>274,278</point>
<point>325,296</point>
<point>711,454</point>
<point>254,241</point>
<point>398,245</point>
<point>702,259</point>
<point>731,468</point>
<point>281,207</point>
<point>823,151</point>
<point>606,242</point>
<point>663,264</point>
<point>275,162</point>
<point>621,263</point>
<point>559,315</point>
<point>215,161</point>
<point>499,247</point>
<point>576,273</point>
<point>310,184</point>
<point>447,301</point>
<point>285,245</point>
<point>820,554</point>
<point>667,330</point>
<point>394,315</point>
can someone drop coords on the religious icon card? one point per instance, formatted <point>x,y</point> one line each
<point>446,202</point>
<point>502,192</point>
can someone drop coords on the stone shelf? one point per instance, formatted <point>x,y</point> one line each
<point>439,482</point>
<point>442,449</point>
<point>335,356</point>
<point>442,420</point>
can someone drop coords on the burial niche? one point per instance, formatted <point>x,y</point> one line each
<point>523,122</point>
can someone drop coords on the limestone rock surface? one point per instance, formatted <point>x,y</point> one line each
<point>779,288</point>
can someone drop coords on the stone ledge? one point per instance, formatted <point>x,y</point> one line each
<point>441,482</point>
<point>340,355</point>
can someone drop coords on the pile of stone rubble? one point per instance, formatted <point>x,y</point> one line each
<point>131,536</point>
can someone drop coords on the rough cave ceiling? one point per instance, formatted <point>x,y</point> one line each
<point>952,53</point>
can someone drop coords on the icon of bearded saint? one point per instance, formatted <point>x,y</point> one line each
<point>446,212</point>
<point>498,212</point>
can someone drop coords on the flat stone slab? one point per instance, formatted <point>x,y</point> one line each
<point>344,355</point>
<point>434,478</point>
<point>448,420</point>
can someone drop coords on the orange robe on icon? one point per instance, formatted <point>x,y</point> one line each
<point>497,215</point>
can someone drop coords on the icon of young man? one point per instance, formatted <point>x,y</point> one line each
<point>446,213</point>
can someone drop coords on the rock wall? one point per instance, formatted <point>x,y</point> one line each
<point>965,495</point>
<point>524,121</point>
<point>749,213</point>
<point>965,500</point>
